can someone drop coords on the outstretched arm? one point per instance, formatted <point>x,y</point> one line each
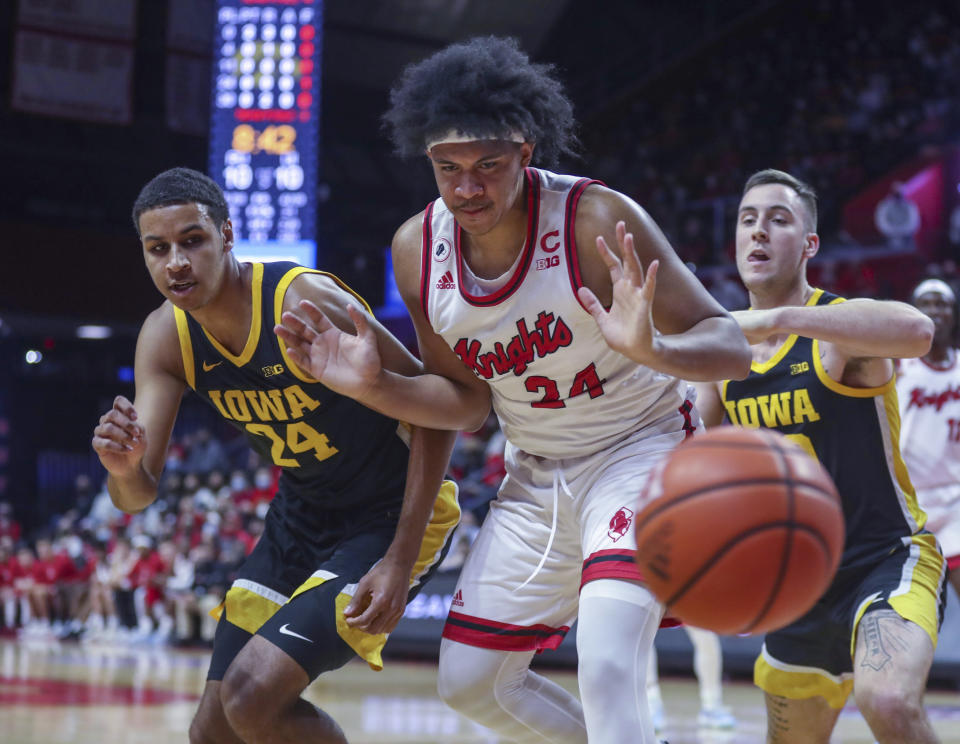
<point>347,350</point>
<point>856,328</point>
<point>665,319</point>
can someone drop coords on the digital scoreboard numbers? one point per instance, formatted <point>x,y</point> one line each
<point>265,124</point>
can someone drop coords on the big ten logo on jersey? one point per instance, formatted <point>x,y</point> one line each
<point>272,369</point>
<point>279,412</point>
<point>800,368</point>
<point>549,243</point>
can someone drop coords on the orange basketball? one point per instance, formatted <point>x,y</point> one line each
<point>739,531</point>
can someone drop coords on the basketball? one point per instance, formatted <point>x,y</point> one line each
<point>740,531</point>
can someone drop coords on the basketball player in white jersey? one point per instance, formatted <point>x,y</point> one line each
<point>929,392</point>
<point>526,289</point>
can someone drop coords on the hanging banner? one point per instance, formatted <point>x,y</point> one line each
<point>74,78</point>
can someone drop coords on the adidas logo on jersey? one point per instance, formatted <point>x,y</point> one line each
<point>457,599</point>
<point>446,281</point>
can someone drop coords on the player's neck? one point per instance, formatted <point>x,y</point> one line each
<point>227,317</point>
<point>771,296</point>
<point>940,355</point>
<point>491,254</point>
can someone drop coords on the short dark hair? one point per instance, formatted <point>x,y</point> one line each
<point>484,86</point>
<point>804,190</point>
<point>181,186</point>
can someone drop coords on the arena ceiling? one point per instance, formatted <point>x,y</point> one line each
<point>380,38</point>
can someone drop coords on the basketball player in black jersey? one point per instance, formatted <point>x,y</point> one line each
<point>353,531</point>
<point>822,374</point>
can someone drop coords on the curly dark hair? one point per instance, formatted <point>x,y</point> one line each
<point>484,86</point>
<point>181,186</point>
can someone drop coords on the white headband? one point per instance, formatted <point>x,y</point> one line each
<point>457,137</point>
<point>934,285</point>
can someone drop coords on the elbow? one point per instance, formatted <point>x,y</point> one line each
<point>739,354</point>
<point>741,363</point>
<point>478,416</point>
<point>922,333</point>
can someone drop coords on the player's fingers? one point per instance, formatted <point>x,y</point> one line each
<point>591,303</point>
<point>387,619</point>
<point>104,445</point>
<point>621,230</point>
<point>360,321</point>
<point>122,404</point>
<point>362,620</point>
<point>650,285</point>
<point>316,316</point>
<point>290,336</point>
<point>609,258</point>
<point>117,421</point>
<point>298,327</point>
<point>632,269</point>
<point>299,358</point>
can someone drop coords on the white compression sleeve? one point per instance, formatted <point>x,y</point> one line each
<point>615,629</point>
<point>498,690</point>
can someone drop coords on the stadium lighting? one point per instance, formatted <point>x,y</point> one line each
<point>94,331</point>
<point>33,356</point>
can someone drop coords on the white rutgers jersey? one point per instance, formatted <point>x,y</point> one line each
<point>930,421</point>
<point>558,389</point>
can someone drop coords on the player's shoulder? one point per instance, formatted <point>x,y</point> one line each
<point>161,324</point>
<point>599,204</point>
<point>321,288</point>
<point>159,344</point>
<point>410,234</point>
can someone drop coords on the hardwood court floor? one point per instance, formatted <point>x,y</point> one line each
<point>85,694</point>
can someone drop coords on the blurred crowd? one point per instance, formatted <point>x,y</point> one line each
<point>860,104</point>
<point>98,575</point>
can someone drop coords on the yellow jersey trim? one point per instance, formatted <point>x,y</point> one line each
<point>800,683</point>
<point>763,367</point>
<point>256,320</point>
<point>285,281</point>
<point>839,387</point>
<point>186,348</point>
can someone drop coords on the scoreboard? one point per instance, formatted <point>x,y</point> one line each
<point>265,124</point>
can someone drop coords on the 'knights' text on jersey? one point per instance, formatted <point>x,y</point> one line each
<point>558,389</point>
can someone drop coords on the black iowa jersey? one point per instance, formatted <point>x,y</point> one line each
<point>854,432</point>
<point>334,452</point>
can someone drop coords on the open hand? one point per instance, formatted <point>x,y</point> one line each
<point>628,325</point>
<point>345,363</point>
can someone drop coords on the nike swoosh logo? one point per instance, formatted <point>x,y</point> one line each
<point>286,631</point>
<point>208,367</point>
